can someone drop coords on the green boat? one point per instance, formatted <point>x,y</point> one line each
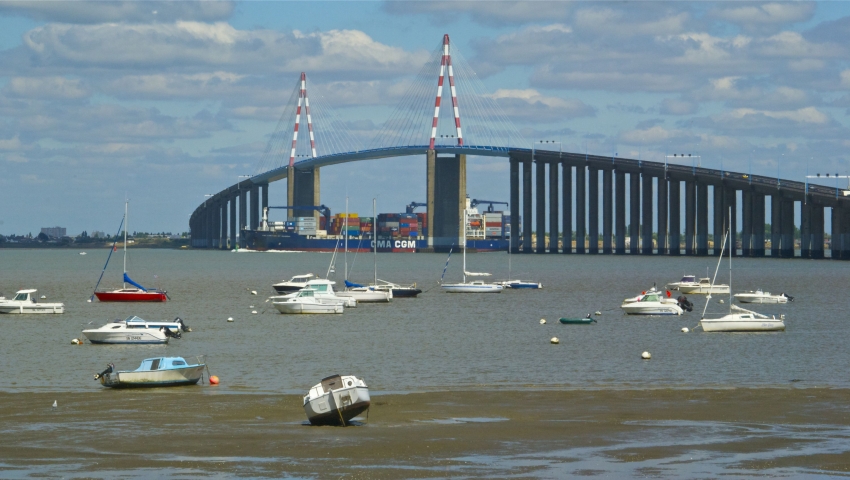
<point>578,321</point>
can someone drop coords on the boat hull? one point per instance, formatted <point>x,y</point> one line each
<point>651,308</point>
<point>34,308</point>
<point>577,321</point>
<point>466,288</point>
<point>772,299</point>
<point>149,379</point>
<point>131,296</point>
<point>742,323</point>
<point>144,337</point>
<point>703,289</point>
<point>294,308</point>
<point>338,407</point>
<point>370,296</point>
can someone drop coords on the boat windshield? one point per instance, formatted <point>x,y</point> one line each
<point>650,298</point>
<point>306,293</point>
<point>21,297</point>
<point>688,278</point>
<point>134,318</point>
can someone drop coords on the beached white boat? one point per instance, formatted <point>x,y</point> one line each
<point>323,290</point>
<point>154,372</point>
<point>25,301</point>
<point>136,330</point>
<point>336,400</point>
<point>306,302</point>
<point>738,319</point>
<point>293,284</point>
<point>760,296</point>
<point>651,303</point>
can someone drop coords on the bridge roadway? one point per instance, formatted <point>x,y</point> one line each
<point>653,187</point>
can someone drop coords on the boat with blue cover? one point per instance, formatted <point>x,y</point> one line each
<point>154,372</point>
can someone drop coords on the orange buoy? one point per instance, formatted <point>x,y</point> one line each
<point>214,380</point>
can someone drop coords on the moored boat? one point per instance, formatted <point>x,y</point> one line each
<point>25,301</point>
<point>651,303</point>
<point>293,284</point>
<point>305,301</point>
<point>323,291</point>
<point>336,400</point>
<point>703,286</point>
<point>154,372</point>
<point>521,284</point>
<point>397,291</point>
<point>136,330</point>
<point>578,321</point>
<point>760,296</point>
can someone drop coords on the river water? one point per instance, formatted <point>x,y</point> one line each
<point>437,341</point>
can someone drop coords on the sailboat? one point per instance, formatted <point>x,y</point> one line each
<point>475,286</point>
<point>396,290</point>
<point>356,291</point>
<point>738,319</point>
<point>126,294</point>
<point>510,283</point>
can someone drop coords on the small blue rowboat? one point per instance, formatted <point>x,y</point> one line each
<point>154,372</point>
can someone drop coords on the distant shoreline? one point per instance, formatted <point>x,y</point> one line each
<point>170,244</point>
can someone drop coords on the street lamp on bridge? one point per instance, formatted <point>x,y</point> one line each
<point>845,193</point>
<point>545,142</point>
<point>677,156</point>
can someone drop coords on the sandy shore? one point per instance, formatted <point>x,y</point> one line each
<point>195,431</point>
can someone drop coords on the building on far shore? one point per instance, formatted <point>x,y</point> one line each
<point>54,232</point>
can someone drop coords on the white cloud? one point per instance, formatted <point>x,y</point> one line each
<point>10,144</point>
<point>752,17</point>
<point>47,87</point>
<point>808,115</point>
<point>845,78</point>
<point>114,11</point>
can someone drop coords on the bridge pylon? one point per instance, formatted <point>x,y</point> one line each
<point>302,185</point>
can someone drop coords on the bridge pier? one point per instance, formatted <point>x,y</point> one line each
<point>540,210</point>
<point>675,196</point>
<point>290,192</point>
<point>702,219</point>
<point>514,206</point>
<point>581,207</point>
<point>786,228</point>
<point>593,210</point>
<point>607,210</point>
<point>747,222</point>
<point>553,207</point>
<point>620,215</point>
<point>720,220</point>
<point>232,203</point>
<point>841,232</point>
<point>732,204</point>
<point>222,244</point>
<point>634,213</point>
<point>817,225</point>
<point>758,225</point>
<point>567,210</point>
<point>446,190</point>
<point>243,214</point>
<point>806,229</point>
<point>526,206</point>
<point>662,215</point>
<point>646,214</point>
<point>306,193</point>
<point>690,216</point>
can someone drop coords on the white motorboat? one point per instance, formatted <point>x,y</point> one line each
<point>323,290</point>
<point>154,372</point>
<point>702,286</point>
<point>336,400</point>
<point>686,280</point>
<point>364,294</point>
<point>136,330</point>
<point>306,302</point>
<point>293,284</point>
<point>738,319</point>
<point>651,303</point>
<point>26,301</point>
<point>760,296</point>
<point>476,286</point>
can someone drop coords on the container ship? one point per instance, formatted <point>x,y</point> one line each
<point>391,232</point>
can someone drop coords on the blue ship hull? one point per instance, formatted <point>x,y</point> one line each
<point>290,241</point>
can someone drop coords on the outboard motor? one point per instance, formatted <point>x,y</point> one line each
<point>183,326</point>
<point>109,368</point>
<point>789,297</point>
<point>169,333</point>
<point>684,304</point>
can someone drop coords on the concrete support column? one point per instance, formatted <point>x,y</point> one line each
<point>775,222</point>
<point>646,215</point>
<point>540,206</point>
<point>757,244</point>
<point>818,228</point>
<point>747,223</point>
<point>581,209</point>
<point>675,217</point>
<point>514,169</point>
<point>233,220</point>
<point>553,207</point>
<point>567,210</point>
<point>702,219</point>
<point>720,219</point>
<point>607,211</point>
<point>307,193</point>
<point>732,206</point>
<point>290,193</point>
<point>841,232</point>
<point>634,213</point>
<point>255,207</point>
<point>222,244</point>
<point>806,229</point>
<point>209,226</point>
<point>593,210</point>
<point>787,228</point>
<point>526,206</point>
<point>243,213</point>
<point>446,185</point>
<point>662,216</point>
<point>620,216</point>
<point>690,216</point>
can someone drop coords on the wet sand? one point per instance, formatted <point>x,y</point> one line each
<point>198,432</point>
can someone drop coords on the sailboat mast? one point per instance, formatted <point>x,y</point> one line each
<point>731,246</point>
<point>126,223</point>
<point>345,235</point>
<point>375,246</point>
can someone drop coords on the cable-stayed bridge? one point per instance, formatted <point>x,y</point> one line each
<point>660,195</point>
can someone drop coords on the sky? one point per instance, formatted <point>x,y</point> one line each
<point>162,103</point>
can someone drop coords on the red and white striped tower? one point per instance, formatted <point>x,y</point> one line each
<point>446,62</point>
<point>302,95</point>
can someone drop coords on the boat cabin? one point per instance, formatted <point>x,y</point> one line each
<point>25,296</point>
<point>688,279</point>
<point>306,293</point>
<point>650,297</point>
<point>705,281</point>
<point>162,363</point>
<point>320,285</point>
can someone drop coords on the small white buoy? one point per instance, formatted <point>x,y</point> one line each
<point>89,300</point>
<point>645,355</point>
<point>55,404</point>
<point>75,341</point>
<point>685,330</point>
<point>597,312</point>
<point>44,296</point>
<point>542,321</point>
<point>229,319</point>
<point>721,300</point>
<point>554,341</point>
<point>253,292</point>
<point>82,253</point>
<point>254,312</point>
<point>250,306</point>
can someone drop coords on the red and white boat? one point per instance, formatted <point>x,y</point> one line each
<point>135,293</point>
